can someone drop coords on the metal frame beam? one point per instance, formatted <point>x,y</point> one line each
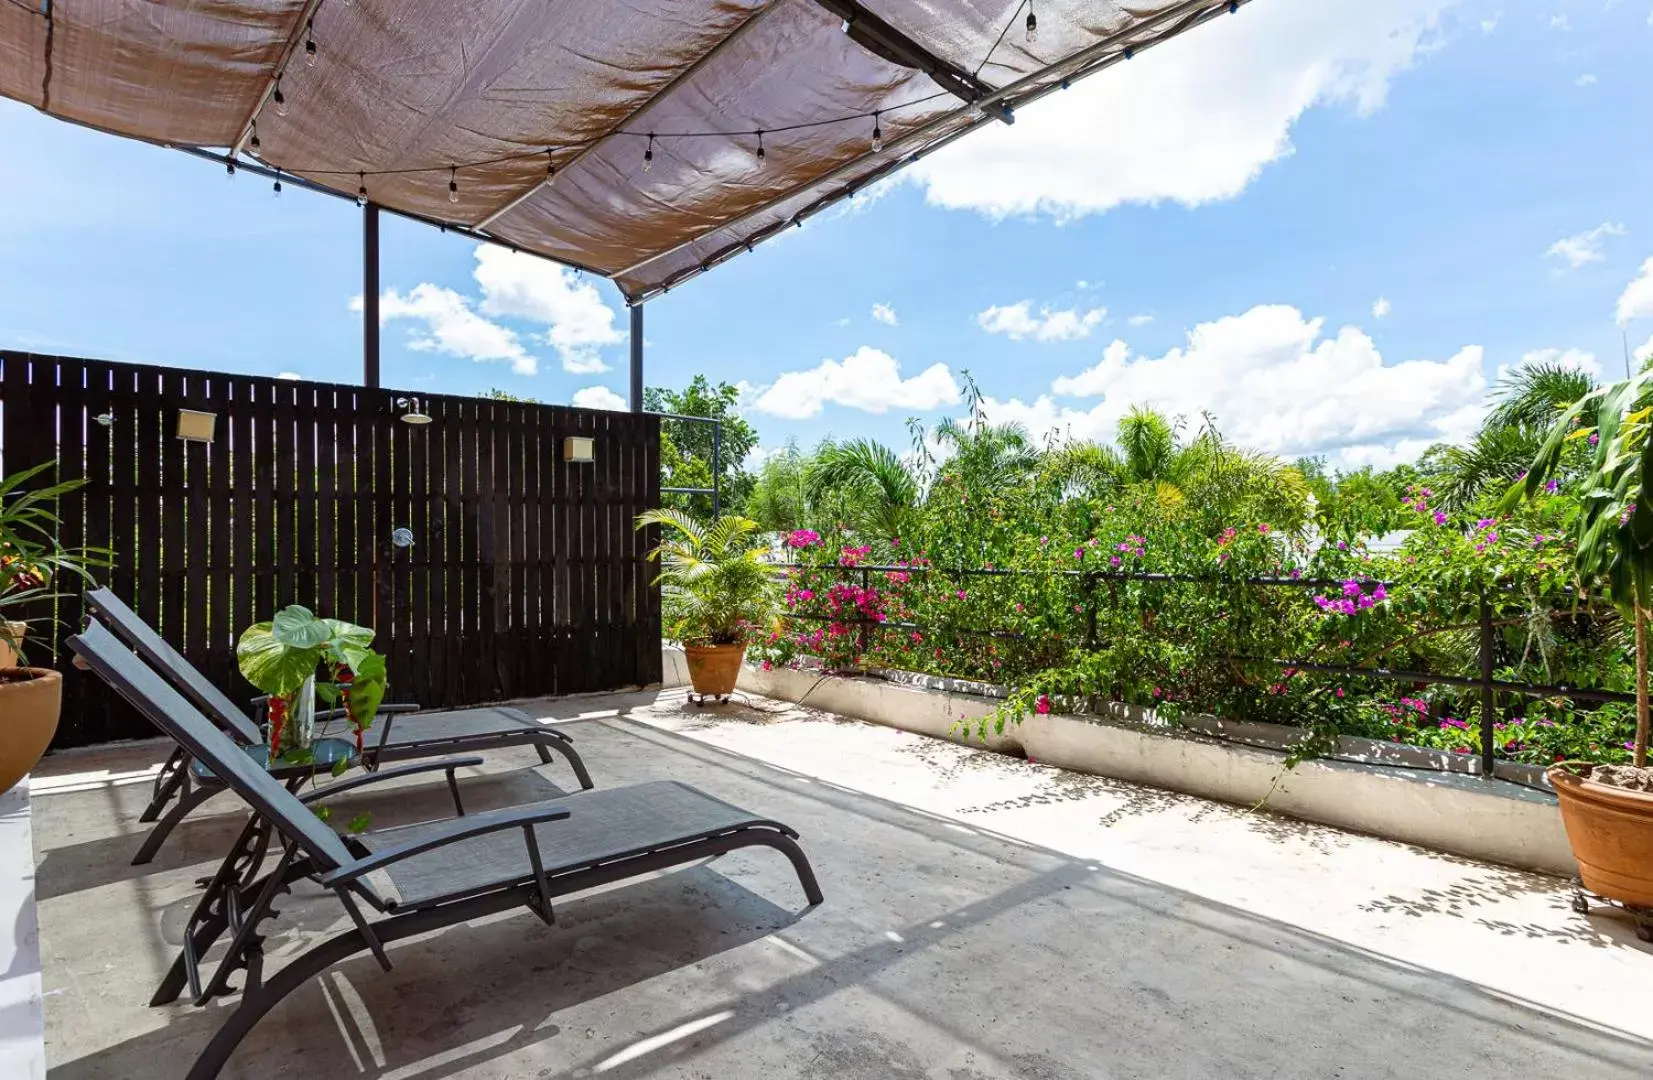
<point>883,40</point>
<point>1085,62</point>
<point>293,37</point>
<point>637,358</point>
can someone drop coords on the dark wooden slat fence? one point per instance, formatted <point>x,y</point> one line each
<point>525,577</point>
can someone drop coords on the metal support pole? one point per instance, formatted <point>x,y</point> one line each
<point>717,469</point>
<point>1489,714</point>
<point>637,358</point>
<point>370,296</point>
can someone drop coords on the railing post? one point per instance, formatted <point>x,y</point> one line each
<point>1489,714</point>
<point>863,633</point>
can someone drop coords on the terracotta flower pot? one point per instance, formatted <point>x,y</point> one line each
<point>11,636</point>
<point>30,700</point>
<point>1611,833</point>
<point>713,669</point>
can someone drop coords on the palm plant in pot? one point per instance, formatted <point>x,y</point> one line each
<point>1602,444</point>
<point>717,591</point>
<point>32,561</point>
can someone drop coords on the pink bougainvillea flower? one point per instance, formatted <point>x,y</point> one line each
<point>1043,704</point>
<point>1440,517</point>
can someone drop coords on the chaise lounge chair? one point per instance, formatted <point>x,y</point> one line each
<point>415,878</point>
<point>400,732</point>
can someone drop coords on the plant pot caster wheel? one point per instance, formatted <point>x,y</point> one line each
<point>701,700</point>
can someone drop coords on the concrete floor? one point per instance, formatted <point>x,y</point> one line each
<point>985,918</point>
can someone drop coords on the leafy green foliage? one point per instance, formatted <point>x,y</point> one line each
<point>717,588</point>
<point>33,563</point>
<point>686,448</point>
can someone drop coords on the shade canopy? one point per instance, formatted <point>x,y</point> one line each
<point>642,140</point>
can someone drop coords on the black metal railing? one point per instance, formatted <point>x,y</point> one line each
<point>1485,651</point>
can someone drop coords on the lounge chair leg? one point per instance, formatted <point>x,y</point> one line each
<point>157,836</point>
<point>562,747</point>
<point>257,1001</point>
<point>174,773</point>
<point>800,863</point>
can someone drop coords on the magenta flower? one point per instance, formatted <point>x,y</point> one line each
<point>803,538</point>
<point>1042,706</point>
<point>1380,593</point>
<point>1440,517</point>
<point>1552,486</point>
<point>963,595</point>
<point>1595,437</point>
<point>1113,560</point>
<point>1351,588</point>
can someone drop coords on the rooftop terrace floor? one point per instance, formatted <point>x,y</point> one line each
<point>985,917</point>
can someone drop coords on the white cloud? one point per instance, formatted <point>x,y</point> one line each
<point>1140,320</point>
<point>1560,22</point>
<point>1017,322</point>
<point>599,397</point>
<point>1636,302</point>
<point>1572,359</point>
<point>577,321</point>
<point>1194,121</point>
<point>1380,307</point>
<point>842,322</point>
<point>868,379</point>
<point>1490,24</point>
<point>1586,79</point>
<point>450,326</point>
<point>885,314</point>
<point>1584,247</point>
<point>1275,382</point>
<point>288,375</point>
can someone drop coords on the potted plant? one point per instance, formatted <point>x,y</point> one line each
<point>31,561</point>
<point>283,658</point>
<point>1608,809</point>
<point>717,592</point>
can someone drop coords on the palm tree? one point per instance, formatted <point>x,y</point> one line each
<point>717,586</point>
<point>986,457</point>
<point>869,483</point>
<point>1527,402</point>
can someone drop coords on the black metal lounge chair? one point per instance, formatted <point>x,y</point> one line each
<point>416,878</point>
<point>400,733</point>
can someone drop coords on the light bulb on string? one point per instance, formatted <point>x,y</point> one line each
<point>648,155</point>
<point>277,187</point>
<point>550,167</point>
<point>229,167</point>
<point>279,98</point>
<point>310,43</point>
<point>253,143</point>
<point>877,135</point>
<point>453,184</point>
<point>361,191</point>
<point>760,150</point>
<point>1032,24</point>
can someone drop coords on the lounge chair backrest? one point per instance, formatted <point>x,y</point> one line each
<point>142,639</point>
<point>168,710</point>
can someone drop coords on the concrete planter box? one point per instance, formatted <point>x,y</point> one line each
<point>1425,797</point>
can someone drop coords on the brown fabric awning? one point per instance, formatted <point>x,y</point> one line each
<point>405,97</point>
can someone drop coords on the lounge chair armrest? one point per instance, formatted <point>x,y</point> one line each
<point>516,817</point>
<point>447,765</point>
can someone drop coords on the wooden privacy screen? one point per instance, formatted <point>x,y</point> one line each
<point>525,576</point>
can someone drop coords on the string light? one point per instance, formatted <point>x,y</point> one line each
<point>254,142</point>
<point>1233,6</point>
<point>310,43</point>
<point>453,184</point>
<point>760,149</point>
<point>229,166</point>
<point>648,155</point>
<point>361,192</point>
<point>550,166</point>
<point>279,98</point>
<point>278,182</point>
<point>877,135</point>
<point>1130,53</point>
<point>1032,24</point>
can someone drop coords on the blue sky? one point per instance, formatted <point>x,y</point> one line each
<point>1255,188</point>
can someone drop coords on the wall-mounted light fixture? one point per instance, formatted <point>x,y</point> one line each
<point>196,426</point>
<point>578,449</point>
<point>411,413</point>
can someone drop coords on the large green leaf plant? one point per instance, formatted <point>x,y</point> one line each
<point>279,655</point>
<point>718,588</point>
<point>1615,524</point>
